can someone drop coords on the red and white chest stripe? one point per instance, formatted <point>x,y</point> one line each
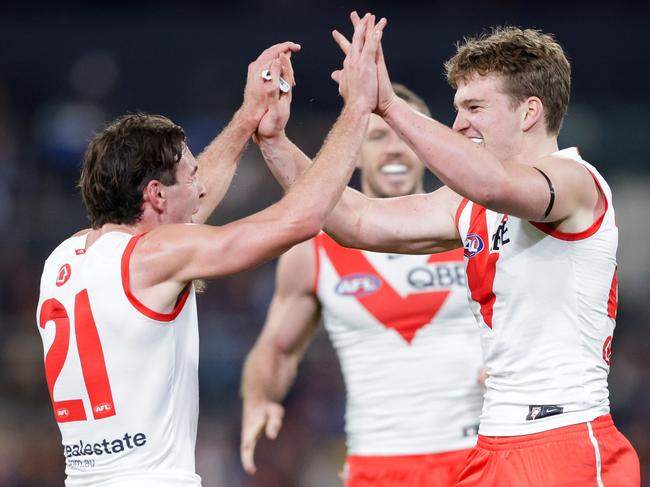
<point>407,314</point>
<point>481,263</point>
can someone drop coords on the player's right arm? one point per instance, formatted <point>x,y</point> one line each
<point>271,366</point>
<point>170,256</point>
<point>414,224</point>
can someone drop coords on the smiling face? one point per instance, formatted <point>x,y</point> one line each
<point>184,197</point>
<point>389,167</point>
<point>488,116</point>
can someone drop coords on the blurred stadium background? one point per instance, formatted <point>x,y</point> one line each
<point>68,67</point>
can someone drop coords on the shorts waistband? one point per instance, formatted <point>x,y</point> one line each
<point>525,441</point>
<point>387,460</point>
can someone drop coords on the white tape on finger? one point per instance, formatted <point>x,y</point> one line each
<point>282,83</point>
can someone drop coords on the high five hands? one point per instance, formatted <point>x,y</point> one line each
<point>385,94</point>
<point>358,79</point>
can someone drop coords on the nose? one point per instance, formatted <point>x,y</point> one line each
<point>396,145</point>
<point>460,123</point>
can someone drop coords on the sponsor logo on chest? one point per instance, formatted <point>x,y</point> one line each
<point>474,243</point>
<point>358,285</point>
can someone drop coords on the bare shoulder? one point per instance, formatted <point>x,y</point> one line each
<point>564,172</point>
<point>449,198</point>
<point>445,200</point>
<point>297,267</point>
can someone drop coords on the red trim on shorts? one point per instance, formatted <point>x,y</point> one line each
<point>316,244</point>
<point>572,237</point>
<point>459,210</point>
<point>148,312</point>
<point>612,302</point>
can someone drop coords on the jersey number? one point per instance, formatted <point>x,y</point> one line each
<point>91,356</point>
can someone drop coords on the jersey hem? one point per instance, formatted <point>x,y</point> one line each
<point>546,424</point>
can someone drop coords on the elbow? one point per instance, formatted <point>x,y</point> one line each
<point>486,197</point>
<point>494,194</point>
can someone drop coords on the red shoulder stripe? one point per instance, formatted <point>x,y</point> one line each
<point>481,266</point>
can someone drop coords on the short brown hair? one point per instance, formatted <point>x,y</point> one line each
<point>410,97</point>
<point>531,62</point>
<point>122,159</point>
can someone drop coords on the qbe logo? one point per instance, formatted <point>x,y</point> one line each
<point>358,285</point>
<point>473,245</point>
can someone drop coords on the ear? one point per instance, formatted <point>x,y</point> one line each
<point>154,194</point>
<point>533,113</point>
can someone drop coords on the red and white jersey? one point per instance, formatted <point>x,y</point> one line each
<point>408,346</point>
<point>546,304</point>
<point>122,378</point>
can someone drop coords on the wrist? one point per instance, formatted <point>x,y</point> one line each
<point>356,109</point>
<point>270,140</point>
<point>388,109</point>
<point>248,117</point>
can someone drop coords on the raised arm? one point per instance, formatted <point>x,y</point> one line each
<point>218,161</point>
<point>170,256</point>
<point>271,366</point>
<point>513,187</point>
<point>421,223</point>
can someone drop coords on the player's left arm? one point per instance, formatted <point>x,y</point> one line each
<point>565,194</point>
<point>218,161</point>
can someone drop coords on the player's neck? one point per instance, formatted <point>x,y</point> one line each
<point>535,148</point>
<point>94,235</point>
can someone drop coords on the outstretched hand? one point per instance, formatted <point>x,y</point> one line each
<point>259,92</point>
<point>385,93</point>
<point>258,417</point>
<point>358,78</point>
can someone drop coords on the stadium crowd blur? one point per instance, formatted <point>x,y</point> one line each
<point>66,69</point>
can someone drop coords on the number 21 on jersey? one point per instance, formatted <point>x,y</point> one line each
<point>91,356</point>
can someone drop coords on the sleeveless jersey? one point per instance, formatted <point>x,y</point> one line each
<point>546,304</point>
<point>122,378</point>
<point>408,347</point>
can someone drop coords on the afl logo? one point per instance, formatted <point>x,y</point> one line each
<point>103,407</point>
<point>64,275</point>
<point>473,245</point>
<point>358,285</point>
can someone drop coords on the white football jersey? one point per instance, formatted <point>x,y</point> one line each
<point>546,304</point>
<point>122,378</point>
<point>408,346</point>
